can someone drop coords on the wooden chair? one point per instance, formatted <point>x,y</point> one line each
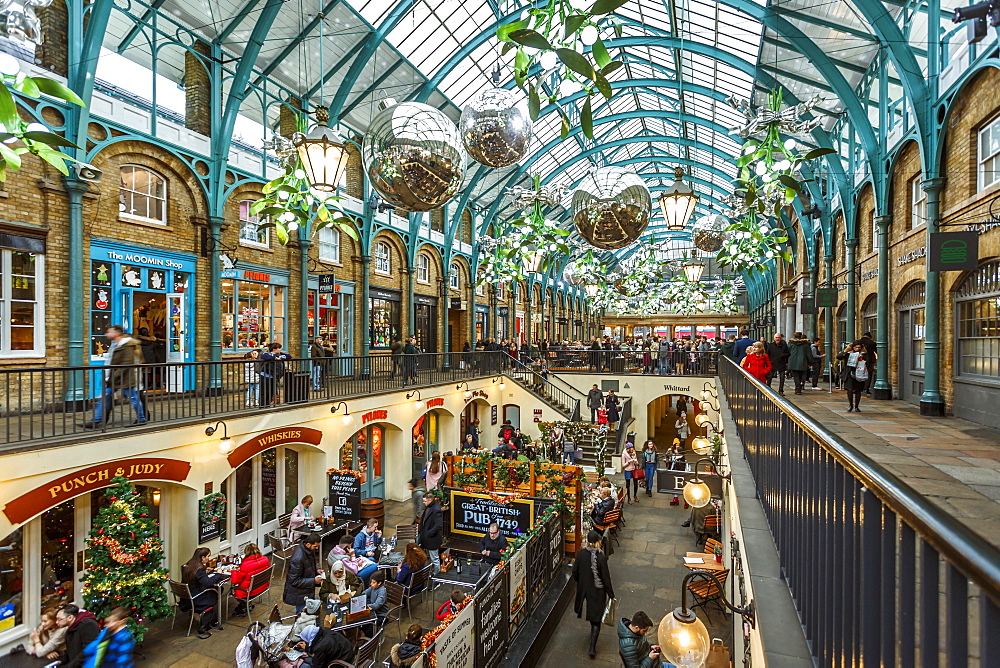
<point>711,544</point>
<point>421,577</point>
<point>365,656</point>
<point>610,522</point>
<point>713,524</point>
<point>606,543</point>
<point>280,551</point>
<point>405,533</point>
<point>256,580</point>
<point>620,505</point>
<point>705,591</point>
<point>182,592</point>
<point>395,594</point>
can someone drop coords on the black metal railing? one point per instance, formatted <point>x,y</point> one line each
<point>673,362</point>
<point>44,403</point>
<point>556,390</point>
<point>880,575</point>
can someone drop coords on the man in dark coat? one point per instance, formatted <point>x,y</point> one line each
<point>602,507</point>
<point>431,535</point>
<point>593,585</point>
<point>595,400</point>
<point>595,356</point>
<point>779,352</point>
<point>632,644</point>
<point>123,352</point>
<point>740,347</point>
<point>870,346</point>
<point>492,544</point>
<point>303,573</point>
<point>81,630</point>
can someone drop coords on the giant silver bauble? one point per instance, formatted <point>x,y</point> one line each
<point>496,127</point>
<point>413,156</point>
<point>611,207</point>
<point>572,275</point>
<point>709,233</point>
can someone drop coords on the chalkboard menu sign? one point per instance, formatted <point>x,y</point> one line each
<point>554,537</point>
<point>345,495</point>
<point>472,514</point>
<point>492,621</point>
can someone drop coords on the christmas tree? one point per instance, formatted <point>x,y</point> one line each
<point>124,553</point>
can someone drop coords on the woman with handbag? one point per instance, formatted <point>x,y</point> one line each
<point>649,465</point>
<point>593,585</point>
<point>858,365</point>
<point>630,463</point>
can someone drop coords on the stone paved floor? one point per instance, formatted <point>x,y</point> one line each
<point>953,462</point>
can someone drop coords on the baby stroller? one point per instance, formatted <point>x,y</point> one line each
<point>264,644</point>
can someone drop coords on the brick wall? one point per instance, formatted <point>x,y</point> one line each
<point>198,103</point>
<point>53,52</point>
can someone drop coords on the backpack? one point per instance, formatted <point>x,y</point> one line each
<point>861,371</point>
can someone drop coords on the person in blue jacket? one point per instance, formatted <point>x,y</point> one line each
<point>740,349</point>
<point>368,542</point>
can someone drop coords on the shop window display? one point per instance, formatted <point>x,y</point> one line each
<point>977,304</point>
<point>384,325</point>
<point>253,314</point>
<point>12,580</point>
<point>57,555</point>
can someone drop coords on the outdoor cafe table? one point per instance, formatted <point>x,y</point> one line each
<point>473,572</point>
<point>342,609</point>
<point>708,559</point>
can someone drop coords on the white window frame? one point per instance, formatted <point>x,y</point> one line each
<point>501,292</point>
<point>383,258</point>
<point>918,203</point>
<point>423,269</point>
<point>454,276</point>
<point>38,347</point>
<point>992,129</point>
<point>874,229</point>
<point>329,247</point>
<point>246,220</point>
<point>122,190</point>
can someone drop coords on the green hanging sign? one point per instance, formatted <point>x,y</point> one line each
<point>953,251</point>
<point>826,297</point>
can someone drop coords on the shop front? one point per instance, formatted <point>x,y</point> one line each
<point>331,310</point>
<point>425,322</point>
<point>363,452</point>
<point>254,308</point>
<point>912,329</point>
<point>977,346</point>
<point>146,290</point>
<point>482,322</point>
<point>425,434</point>
<point>384,308</point>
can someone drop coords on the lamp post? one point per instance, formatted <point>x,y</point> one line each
<point>696,492</point>
<point>677,203</point>
<point>683,638</point>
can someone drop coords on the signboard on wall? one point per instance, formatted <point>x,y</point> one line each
<point>808,306</point>
<point>472,514</point>
<point>492,621</point>
<point>554,536</point>
<point>211,518</point>
<point>538,415</point>
<point>493,414</point>
<point>518,587</point>
<point>826,297</point>
<point>345,495</point>
<point>455,647</point>
<point>954,251</point>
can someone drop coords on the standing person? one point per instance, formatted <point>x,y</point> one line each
<point>300,514</point>
<point>798,360</point>
<point>303,573</point>
<point>682,405</point>
<point>630,462</point>
<point>253,562</point>
<point>318,354</point>
<point>272,371</point>
<point>123,352</point>
<point>81,628</point>
<point>416,497</point>
<point>741,347</point>
<point>434,471</point>
<point>649,464</point>
<point>757,363</point>
<point>858,369</point>
<point>492,544</point>
<point>682,428</point>
<point>431,534</point>
<point>663,355</point>
<point>201,581</point>
<point>612,405</point>
<point>556,440</point>
<point>474,430</point>
<point>815,351</point>
<point>396,353</point>
<point>48,638</point>
<point>595,399</point>
<point>778,352</point>
<point>647,359</point>
<point>635,650</point>
<point>729,347</point>
<point>410,361</point>
<point>251,376</point>
<point>593,585</point>
<point>113,647</point>
<point>872,350</point>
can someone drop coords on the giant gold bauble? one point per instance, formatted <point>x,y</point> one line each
<point>611,207</point>
<point>709,233</point>
<point>413,156</point>
<point>496,127</point>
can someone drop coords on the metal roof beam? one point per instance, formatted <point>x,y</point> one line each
<point>374,87</point>
<point>140,24</point>
<point>232,25</point>
<point>291,46</point>
<point>850,67</point>
<point>347,57</point>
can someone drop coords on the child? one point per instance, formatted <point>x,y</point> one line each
<point>450,607</point>
<point>377,596</point>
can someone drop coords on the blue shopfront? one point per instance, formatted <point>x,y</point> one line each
<point>146,290</point>
<point>482,322</point>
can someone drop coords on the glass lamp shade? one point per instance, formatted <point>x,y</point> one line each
<point>701,445</point>
<point>677,203</point>
<point>697,493</point>
<point>591,289</point>
<point>693,270</point>
<point>701,419</point>
<point>323,155</point>
<point>684,644</point>
<point>225,445</point>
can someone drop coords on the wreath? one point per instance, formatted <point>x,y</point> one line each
<point>212,508</point>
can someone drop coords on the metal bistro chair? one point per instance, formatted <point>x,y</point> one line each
<point>279,551</point>
<point>283,522</point>
<point>406,533</point>
<point>395,593</point>
<point>365,657</point>
<point>256,580</point>
<point>421,577</point>
<point>182,592</point>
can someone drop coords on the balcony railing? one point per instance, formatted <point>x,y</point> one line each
<point>50,403</point>
<point>674,362</point>
<point>879,574</point>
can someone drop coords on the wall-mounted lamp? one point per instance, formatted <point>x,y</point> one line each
<point>468,392</point>
<point>225,444</point>
<point>696,492</point>
<point>419,403</point>
<point>347,416</point>
<point>708,392</point>
<point>701,445</point>
<point>156,497</point>
<point>502,384</point>
<point>684,640</point>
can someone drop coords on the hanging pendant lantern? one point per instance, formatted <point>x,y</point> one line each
<point>677,203</point>
<point>322,153</point>
<point>693,269</point>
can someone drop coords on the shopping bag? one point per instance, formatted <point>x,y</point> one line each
<point>461,364</point>
<point>718,655</point>
<point>610,612</point>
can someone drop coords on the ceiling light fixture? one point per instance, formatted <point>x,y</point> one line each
<point>677,203</point>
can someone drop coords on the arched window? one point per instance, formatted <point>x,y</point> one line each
<point>423,268</point>
<point>869,315</point>
<point>454,276</point>
<point>977,319</point>
<point>383,258</point>
<point>251,232</point>
<point>143,194</point>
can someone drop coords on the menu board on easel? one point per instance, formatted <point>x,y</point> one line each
<point>345,495</point>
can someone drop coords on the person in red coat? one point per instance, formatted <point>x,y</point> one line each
<point>757,363</point>
<point>253,562</point>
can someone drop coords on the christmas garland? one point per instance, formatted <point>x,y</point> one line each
<point>511,475</point>
<point>119,554</point>
<point>480,466</point>
<point>431,636</point>
<point>356,474</point>
<point>502,499</point>
<point>212,508</point>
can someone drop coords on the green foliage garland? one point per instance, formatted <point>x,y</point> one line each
<point>510,475</point>
<point>478,477</point>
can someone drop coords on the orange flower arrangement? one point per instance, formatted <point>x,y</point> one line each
<point>356,474</point>
<point>503,499</point>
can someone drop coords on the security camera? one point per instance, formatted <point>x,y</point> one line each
<point>980,10</point>
<point>87,173</point>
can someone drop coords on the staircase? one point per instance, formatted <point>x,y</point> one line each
<point>554,392</point>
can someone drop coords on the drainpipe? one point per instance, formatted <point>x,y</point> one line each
<point>882,388</point>
<point>304,244</point>
<point>828,321</point>
<point>366,331</point>
<point>74,319</point>
<point>215,224</point>
<point>852,289</point>
<point>811,318</point>
<point>931,401</point>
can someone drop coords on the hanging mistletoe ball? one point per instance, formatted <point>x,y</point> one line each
<point>709,233</point>
<point>496,128</point>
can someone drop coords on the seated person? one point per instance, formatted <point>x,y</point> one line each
<point>468,445</point>
<point>406,653</point>
<point>48,639</point>
<point>603,507</point>
<point>492,544</point>
<point>368,542</point>
<point>295,655</point>
<point>502,449</point>
<point>377,596</point>
<point>450,607</point>
<point>360,566</point>
<point>201,580</point>
<point>413,560</point>
<point>340,582</point>
<point>253,562</point>
<point>326,645</point>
